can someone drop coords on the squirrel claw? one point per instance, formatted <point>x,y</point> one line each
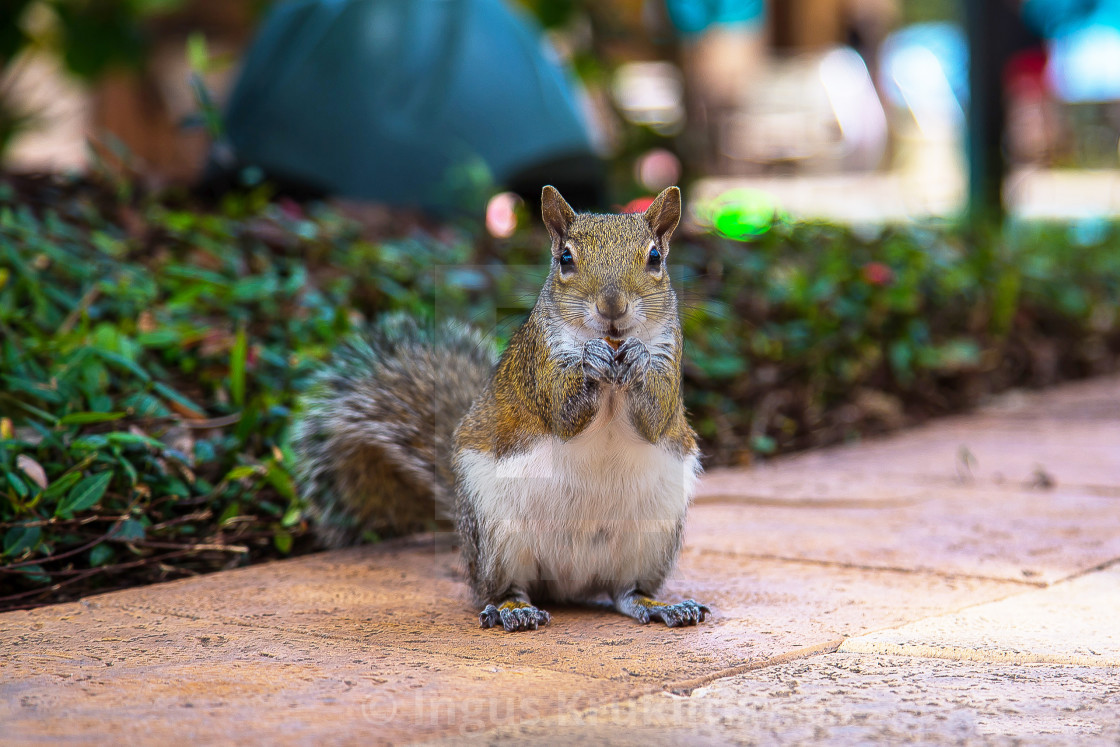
<point>513,618</point>
<point>688,612</point>
<point>631,361</point>
<point>643,609</point>
<point>598,358</point>
<point>489,617</point>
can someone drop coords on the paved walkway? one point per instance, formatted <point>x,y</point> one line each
<point>958,582</point>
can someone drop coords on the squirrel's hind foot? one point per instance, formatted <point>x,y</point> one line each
<point>643,609</point>
<point>514,616</point>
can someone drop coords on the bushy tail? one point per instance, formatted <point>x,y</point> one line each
<point>374,438</point>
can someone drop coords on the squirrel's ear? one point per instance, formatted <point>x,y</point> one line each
<point>664,213</point>
<point>557,214</point>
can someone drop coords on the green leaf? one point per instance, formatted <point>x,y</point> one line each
<point>240,473</point>
<point>279,478</point>
<point>764,444</point>
<point>953,356</point>
<point>35,574</point>
<point>901,355</point>
<point>177,488</point>
<point>100,555</point>
<point>291,517</point>
<point>17,484</point>
<point>95,442</point>
<point>122,362</point>
<point>41,414</point>
<point>129,530</point>
<point>20,539</point>
<point>85,494</point>
<point>62,484</point>
<point>196,274</point>
<point>133,477</point>
<point>121,438</point>
<point>83,418</point>
<point>282,540</point>
<point>39,391</point>
<point>198,57</point>
<point>204,452</point>
<point>211,114</point>
<point>160,338</point>
<point>237,359</point>
<point>233,509</point>
<point>1005,301</point>
<point>173,395</point>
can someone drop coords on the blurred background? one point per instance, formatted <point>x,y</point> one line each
<point>896,209</point>
<point>850,110</point>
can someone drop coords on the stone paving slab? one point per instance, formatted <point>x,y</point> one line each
<point>776,485</point>
<point>852,699</point>
<point>323,646</point>
<point>1036,537</point>
<point>1077,622</point>
<point>1096,399</point>
<point>1070,435</point>
<point>978,450</point>
<point>106,675</point>
<point>411,599</point>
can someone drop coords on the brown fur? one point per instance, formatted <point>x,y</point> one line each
<point>374,438</point>
<point>377,445</point>
<point>540,390</point>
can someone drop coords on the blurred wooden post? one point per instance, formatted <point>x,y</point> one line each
<point>985,22</point>
<point>144,109</point>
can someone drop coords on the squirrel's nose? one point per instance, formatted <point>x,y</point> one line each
<point>612,308</point>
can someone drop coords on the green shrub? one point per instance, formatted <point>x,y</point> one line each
<point>150,360</point>
<point>812,334</point>
<point>152,352</point>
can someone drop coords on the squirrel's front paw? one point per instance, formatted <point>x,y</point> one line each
<point>631,361</point>
<point>513,616</point>
<point>598,360</point>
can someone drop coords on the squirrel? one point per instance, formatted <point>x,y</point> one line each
<point>567,467</point>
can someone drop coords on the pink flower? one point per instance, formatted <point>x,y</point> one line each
<point>877,273</point>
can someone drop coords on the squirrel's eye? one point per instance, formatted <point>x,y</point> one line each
<point>654,258</point>
<point>566,258</point>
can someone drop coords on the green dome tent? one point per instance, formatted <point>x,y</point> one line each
<point>428,103</point>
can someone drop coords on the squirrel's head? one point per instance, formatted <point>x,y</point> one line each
<point>609,276</point>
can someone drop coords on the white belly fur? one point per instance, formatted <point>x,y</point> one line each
<point>593,514</point>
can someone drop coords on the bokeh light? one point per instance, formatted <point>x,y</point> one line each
<point>637,205</point>
<point>741,214</point>
<point>657,169</point>
<point>501,214</point>
<point>651,94</point>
